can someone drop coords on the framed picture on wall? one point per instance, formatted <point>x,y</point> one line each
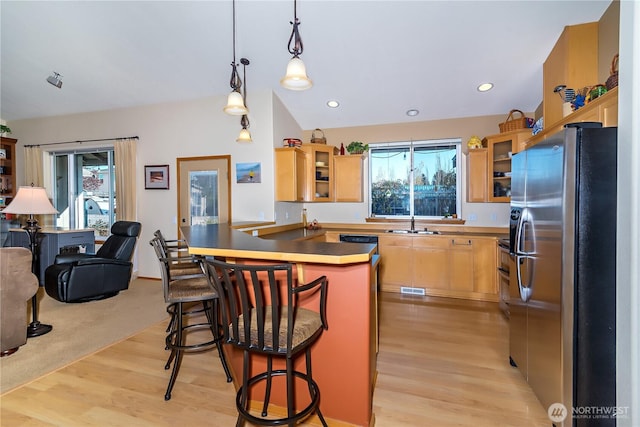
<point>156,177</point>
<point>248,173</point>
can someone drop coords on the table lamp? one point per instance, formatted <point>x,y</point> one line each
<point>32,201</point>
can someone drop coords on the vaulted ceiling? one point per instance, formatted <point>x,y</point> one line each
<point>377,58</point>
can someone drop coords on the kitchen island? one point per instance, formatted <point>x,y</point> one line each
<point>344,358</point>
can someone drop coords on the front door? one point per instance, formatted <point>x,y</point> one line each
<point>204,190</point>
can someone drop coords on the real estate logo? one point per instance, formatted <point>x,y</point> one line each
<point>557,412</point>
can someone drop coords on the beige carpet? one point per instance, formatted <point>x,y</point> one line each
<point>82,329</point>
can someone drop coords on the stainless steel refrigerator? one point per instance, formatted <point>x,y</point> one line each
<point>563,238</point>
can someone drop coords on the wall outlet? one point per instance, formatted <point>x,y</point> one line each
<point>286,215</point>
<point>473,217</point>
<point>254,233</point>
<point>494,217</point>
<point>261,216</point>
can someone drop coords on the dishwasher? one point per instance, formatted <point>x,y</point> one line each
<point>360,238</point>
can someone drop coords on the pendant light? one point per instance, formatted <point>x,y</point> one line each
<point>235,104</point>
<point>245,135</point>
<point>296,77</point>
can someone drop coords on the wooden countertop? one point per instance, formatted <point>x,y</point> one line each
<point>222,240</point>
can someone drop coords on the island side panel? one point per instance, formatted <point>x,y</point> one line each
<point>343,356</point>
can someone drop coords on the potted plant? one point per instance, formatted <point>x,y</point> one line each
<point>357,147</point>
<point>4,129</point>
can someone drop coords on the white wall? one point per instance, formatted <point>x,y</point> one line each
<point>628,239</point>
<point>167,131</point>
<point>284,126</point>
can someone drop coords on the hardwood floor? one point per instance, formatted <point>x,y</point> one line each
<point>442,362</point>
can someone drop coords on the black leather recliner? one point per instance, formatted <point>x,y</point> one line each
<point>88,277</point>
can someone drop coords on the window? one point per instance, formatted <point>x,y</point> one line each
<point>84,191</point>
<point>415,179</point>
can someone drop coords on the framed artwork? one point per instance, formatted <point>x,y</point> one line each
<point>248,173</point>
<point>156,177</point>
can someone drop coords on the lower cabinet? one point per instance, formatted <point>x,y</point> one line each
<point>458,267</point>
<point>396,262</point>
<point>430,257</point>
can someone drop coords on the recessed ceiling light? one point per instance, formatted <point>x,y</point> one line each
<point>333,104</point>
<point>412,112</point>
<point>485,87</point>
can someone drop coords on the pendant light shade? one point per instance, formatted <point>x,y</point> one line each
<point>235,104</point>
<point>245,136</point>
<point>296,77</point>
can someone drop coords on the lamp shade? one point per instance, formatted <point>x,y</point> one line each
<point>296,77</point>
<point>235,104</point>
<point>31,201</point>
<point>245,136</point>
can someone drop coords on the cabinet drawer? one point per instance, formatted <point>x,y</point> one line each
<point>395,241</point>
<point>69,239</point>
<point>430,242</point>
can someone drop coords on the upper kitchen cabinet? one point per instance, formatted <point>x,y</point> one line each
<point>348,178</point>
<point>500,148</point>
<point>477,176</point>
<point>320,173</point>
<point>8,169</point>
<point>291,173</point>
<point>573,62</point>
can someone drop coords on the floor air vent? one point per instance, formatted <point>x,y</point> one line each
<point>411,291</point>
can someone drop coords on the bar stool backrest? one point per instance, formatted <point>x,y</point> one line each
<point>261,306</point>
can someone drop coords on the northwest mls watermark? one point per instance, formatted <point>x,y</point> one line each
<point>557,412</point>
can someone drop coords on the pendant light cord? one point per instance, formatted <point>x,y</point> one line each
<point>235,81</point>
<point>295,35</point>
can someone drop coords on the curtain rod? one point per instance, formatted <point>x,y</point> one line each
<point>81,141</point>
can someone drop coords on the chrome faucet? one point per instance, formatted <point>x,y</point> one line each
<point>413,224</point>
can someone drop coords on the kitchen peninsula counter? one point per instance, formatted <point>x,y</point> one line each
<point>344,358</point>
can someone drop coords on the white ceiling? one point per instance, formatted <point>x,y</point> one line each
<point>377,58</point>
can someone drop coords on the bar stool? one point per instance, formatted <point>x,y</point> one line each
<point>262,314</point>
<point>180,266</point>
<point>178,293</point>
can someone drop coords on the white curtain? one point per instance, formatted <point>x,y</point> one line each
<point>125,160</point>
<point>34,172</point>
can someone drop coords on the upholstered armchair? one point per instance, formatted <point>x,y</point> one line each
<point>17,285</point>
<point>87,277</point>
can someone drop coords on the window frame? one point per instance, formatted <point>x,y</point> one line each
<point>411,146</point>
<point>73,220</point>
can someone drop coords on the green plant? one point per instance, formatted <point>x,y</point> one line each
<point>4,129</point>
<point>357,147</point>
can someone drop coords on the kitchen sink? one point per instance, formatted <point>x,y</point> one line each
<point>413,231</point>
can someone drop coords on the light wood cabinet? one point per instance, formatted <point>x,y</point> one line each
<point>8,185</point>
<point>348,182</point>
<point>477,175</point>
<point>320,173</point>
<point>461,266</point>
<point>500,148</point>
<point>457,267</point>
<point>573,62</point>
<point>291,174</point>
<point>396,264</point>
<point>430,259</point>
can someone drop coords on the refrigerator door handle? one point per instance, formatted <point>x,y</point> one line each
<point>523,288</point>
<point>519,227</point>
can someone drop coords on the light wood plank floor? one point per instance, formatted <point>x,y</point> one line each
<point>442,362</point>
